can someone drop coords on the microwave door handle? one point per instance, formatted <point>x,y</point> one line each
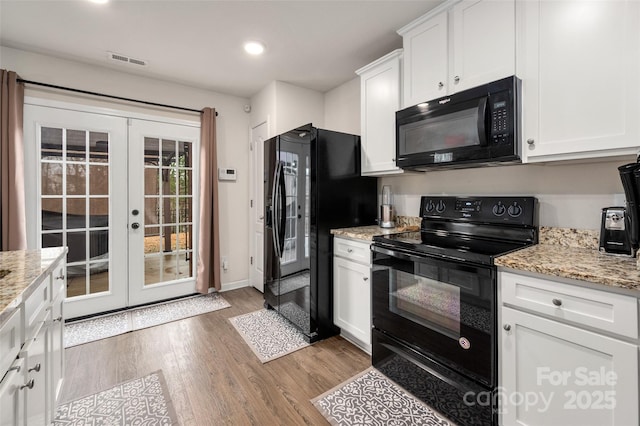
<point>482,121</point>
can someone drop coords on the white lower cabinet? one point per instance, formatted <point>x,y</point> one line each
<point>30,385</point>
<point>352,291</point>
<point>553,372</point>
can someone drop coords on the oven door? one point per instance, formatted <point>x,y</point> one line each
<point>444,309</point>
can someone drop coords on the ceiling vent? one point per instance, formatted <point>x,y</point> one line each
<point>123,59</point>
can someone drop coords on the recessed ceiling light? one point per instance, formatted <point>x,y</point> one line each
<point>254,47</point>
<point>99,1</point>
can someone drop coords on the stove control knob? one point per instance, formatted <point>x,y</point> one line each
<point>514,210</point>
<point>499,209</point>
<point>440,207</point>
<point>430,206</point>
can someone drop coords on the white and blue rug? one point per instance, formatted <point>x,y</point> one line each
<point>90,330</point>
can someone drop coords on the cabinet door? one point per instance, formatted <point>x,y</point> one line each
<point>352,299</point>
<point>552,373</point>
<point>55,366</point>
<point>35,395</point>
<point>425,61</point>
<point>483,43</point>
<point>11,393</point>
<point>581,81</point>
<point>380,99</point>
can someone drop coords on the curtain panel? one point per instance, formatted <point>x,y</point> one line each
<point>12,207</point>
<point>208,273</point>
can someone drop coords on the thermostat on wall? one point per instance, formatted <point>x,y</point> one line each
<point>226,174</point>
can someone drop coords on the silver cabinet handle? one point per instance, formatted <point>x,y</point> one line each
<point>531,141</point>
<point>349,250</point>
<point>440,85</point>
<point>456,79</point>
<point>135,225</point>
<point>557,302</point>
<point>59,319</point>
<point>365,278</point>
<point>29,384</point>
<point>36,368</point>
<point>15,368</point>
<point>261,217</point>
<point>507,327</point>
<point>60,277</point>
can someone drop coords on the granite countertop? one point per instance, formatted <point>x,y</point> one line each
<point>26,269</point>
<point>366,233</point>
<point>570,253</point>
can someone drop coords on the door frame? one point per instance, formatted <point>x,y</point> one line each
<point>256,192</point>
<point>31,179</point>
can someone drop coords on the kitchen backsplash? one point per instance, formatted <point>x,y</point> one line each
<point>569,237</point>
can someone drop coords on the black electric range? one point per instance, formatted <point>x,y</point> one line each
<point>434,300</point>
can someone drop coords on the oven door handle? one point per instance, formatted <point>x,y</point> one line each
<point>405,255</point>
<point>395,252</point>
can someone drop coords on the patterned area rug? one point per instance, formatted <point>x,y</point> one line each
<point>371,398</point>
<point>268,334</point>
<point>144,401</point>
<point>90,330</point>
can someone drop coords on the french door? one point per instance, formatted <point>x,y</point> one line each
<point>118,192</point>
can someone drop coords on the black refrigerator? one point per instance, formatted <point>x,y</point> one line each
<point>312,184</point>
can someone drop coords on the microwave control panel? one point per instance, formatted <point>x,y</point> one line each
<point>501,117</point>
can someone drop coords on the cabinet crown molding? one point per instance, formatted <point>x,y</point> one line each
<point>385,58</point>
<point>443,7</point>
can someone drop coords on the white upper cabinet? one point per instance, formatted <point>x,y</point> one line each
<point>457,46</point>
<point>425,59</point>
<point>380,99</point>
<point>483,43</point>
<point>581,75</point>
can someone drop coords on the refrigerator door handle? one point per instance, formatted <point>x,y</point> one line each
<point>283,210</point>
<point>274,208</point>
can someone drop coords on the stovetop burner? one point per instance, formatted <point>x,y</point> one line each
<point>475,229</point>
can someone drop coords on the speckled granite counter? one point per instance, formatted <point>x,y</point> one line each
<point>366,233</point>
<point>27,269</point>
<point>570,253</point>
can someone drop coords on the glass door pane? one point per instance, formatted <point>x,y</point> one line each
<point>162,176</point>
<point>71,155</point>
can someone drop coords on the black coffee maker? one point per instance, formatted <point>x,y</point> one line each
<point>625,236</point>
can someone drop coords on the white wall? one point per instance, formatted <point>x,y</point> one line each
<point>296,106</point>
<point>232,128</point>
<point>342,108</point>
<point>570,195</point>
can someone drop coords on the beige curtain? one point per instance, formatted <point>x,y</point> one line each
<point>208,274</point>
<point>14,229</point>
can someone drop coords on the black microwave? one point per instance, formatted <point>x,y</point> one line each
<point>475,127</point>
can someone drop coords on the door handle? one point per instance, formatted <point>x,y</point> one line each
<point>135,225</point>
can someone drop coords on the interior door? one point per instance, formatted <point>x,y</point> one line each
<point>256,226</point>
<point>76,180</point>
<point>118,193</point>
<point>162,181</point>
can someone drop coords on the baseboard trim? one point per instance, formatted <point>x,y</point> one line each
<point>234,285</point>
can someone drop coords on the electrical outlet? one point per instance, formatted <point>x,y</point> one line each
<point>225,263</point>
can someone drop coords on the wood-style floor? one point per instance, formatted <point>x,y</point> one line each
<point>212,376</point>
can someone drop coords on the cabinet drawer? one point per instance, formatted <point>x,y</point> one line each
<point>10,340</point>
<point>353,250</point>
<point>35,307</point>
<point>611,312</point>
